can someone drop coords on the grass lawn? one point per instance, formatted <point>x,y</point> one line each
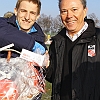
<point>47,95</point>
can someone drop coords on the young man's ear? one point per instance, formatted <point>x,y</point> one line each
<point>15,11</point>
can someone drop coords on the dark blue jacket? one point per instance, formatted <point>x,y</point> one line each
<point>9,33</point>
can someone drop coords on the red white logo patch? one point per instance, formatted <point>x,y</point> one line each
<point>91,50</point>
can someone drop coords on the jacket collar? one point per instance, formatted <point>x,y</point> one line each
<point>31,30</point>
<point>87,35</point>
<point>75,36</point>
<point>14,22</point>
<point>90,33</point>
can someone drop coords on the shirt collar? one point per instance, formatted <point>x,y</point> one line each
<point>75,36</point>
<point>31,30</point>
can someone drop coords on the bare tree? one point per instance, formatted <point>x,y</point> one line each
<point>96,20</point>
<point>57,24</point>
<point>45,22</point>
<point>49,24</point>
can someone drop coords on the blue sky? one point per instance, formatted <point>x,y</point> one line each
<point>50,7</point>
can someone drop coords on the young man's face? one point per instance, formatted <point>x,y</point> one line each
<point>72,15</point>
<point>26,14</point>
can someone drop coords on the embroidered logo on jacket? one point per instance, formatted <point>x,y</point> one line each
<point>91,50</point>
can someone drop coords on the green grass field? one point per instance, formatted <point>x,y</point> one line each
<point>47,95</point>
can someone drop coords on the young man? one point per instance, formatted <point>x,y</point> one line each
<point>22,30</point>
<point>74,69</point>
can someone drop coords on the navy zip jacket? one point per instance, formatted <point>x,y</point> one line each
<point>9,33</point>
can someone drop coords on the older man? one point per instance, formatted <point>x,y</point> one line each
<point>75,55</point>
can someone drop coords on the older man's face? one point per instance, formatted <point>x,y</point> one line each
<point>72,15</point>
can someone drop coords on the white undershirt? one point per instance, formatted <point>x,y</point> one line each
<point>75,36</point>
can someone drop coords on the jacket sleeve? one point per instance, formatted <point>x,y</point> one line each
<point>10,34</point>
<point>50,71</point>
<point>39,36</point>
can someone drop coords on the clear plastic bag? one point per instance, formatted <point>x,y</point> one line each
<point>20,79</point>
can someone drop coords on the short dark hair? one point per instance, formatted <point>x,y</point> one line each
<point>84,3</point>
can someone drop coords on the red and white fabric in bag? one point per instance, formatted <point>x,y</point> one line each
<point>20,79</point>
